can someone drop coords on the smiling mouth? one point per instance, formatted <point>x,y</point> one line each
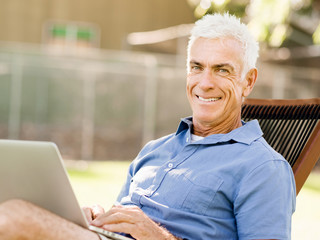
<point>208,99</point>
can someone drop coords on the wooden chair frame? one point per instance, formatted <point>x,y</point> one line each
<point>271,110</point>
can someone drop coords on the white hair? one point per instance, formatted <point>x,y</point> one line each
<point>216,26</point>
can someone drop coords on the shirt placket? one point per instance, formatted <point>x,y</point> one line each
<point>187,151</point>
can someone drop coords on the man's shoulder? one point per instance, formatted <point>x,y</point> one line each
<point>247,157</point>
<point>256,143</point>
<point>262,147</point>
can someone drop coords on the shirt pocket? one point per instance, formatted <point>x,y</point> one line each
<point>202,192</point>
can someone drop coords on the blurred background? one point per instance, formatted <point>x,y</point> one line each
<point>102,77</point>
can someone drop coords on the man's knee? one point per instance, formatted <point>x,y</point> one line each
<point>13,203</point>
<point>23,220</point>
<point>19,220</point>
<point>4,220</point>
<point>15,208</point>
<point>8,221</point>
<point>6,228</point>
<point>14,212</point>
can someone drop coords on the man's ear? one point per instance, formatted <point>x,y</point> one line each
<point>250,80</point>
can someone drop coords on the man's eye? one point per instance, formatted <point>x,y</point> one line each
<point>223,71</point>
<point>195,67</point>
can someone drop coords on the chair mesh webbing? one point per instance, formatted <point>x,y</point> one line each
<point>286,128</point>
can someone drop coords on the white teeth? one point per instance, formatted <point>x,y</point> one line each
<point>208,99</point>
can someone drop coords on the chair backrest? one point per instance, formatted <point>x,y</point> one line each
<point>292,128</point>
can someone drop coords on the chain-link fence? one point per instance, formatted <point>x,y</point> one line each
<point>107,104</point>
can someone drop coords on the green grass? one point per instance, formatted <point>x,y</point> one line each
<point>313,182</point>
<point>100,183</point>
<point>306,219</point>
<point>97,182</point>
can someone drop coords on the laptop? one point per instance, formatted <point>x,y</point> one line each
<point>34,171</point>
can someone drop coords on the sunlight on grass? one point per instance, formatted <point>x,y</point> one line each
<point>306,219</point>
<point>100,182</point>
<point>313,182</point>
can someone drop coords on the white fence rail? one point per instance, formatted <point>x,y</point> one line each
<point>106,104</point>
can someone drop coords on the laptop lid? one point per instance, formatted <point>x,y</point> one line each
<point>34,171</point>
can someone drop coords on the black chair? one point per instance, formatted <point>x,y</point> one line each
<point>292,128</point>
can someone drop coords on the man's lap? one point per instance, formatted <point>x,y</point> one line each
<point>23,220</point>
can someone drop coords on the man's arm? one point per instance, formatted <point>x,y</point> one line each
<point>23,220</point>
<point>266,201</point>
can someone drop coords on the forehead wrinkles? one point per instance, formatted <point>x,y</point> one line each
<point>231,43</point>
<point>217,51</point>
<point>228,43</point>
<point>231,40</point>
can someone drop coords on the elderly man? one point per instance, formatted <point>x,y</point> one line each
<point>215,178</point>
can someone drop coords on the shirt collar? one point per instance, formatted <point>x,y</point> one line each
<point>249,132</point>
<point>185,123</point>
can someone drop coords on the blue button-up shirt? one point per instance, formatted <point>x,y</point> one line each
<point>225,186</point>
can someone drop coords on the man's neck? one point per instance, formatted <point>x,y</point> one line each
<point>209,129</point>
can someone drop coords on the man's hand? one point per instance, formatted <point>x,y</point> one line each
<point>133,221</point>
<point>93,212</point>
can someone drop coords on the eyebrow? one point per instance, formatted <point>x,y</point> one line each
<point>220,65</point>
<point>192,62</point>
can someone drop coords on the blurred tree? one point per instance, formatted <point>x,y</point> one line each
<point>277,23</point>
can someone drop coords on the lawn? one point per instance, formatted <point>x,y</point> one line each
<point>100,182</point>
<point>97,182</point>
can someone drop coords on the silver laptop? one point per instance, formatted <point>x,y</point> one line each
<point>34,171</point>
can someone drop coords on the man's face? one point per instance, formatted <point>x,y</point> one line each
<point>214,85</point>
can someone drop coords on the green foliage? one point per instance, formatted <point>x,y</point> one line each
<point>203,7</point>
<point>316,35</point>
<point>268,20</point>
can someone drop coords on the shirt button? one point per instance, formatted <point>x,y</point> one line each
<point>187,140</point>
<point>170,165</point>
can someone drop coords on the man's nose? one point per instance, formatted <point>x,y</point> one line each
<point>207,80</point>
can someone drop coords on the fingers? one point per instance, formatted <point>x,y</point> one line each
<point>130,220</point>
<point>127,228</point>
<point>120,219</point>
<point>88,214</point>
<point>93,212</point>
<point>117,214</point>
<point>97,210</point>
